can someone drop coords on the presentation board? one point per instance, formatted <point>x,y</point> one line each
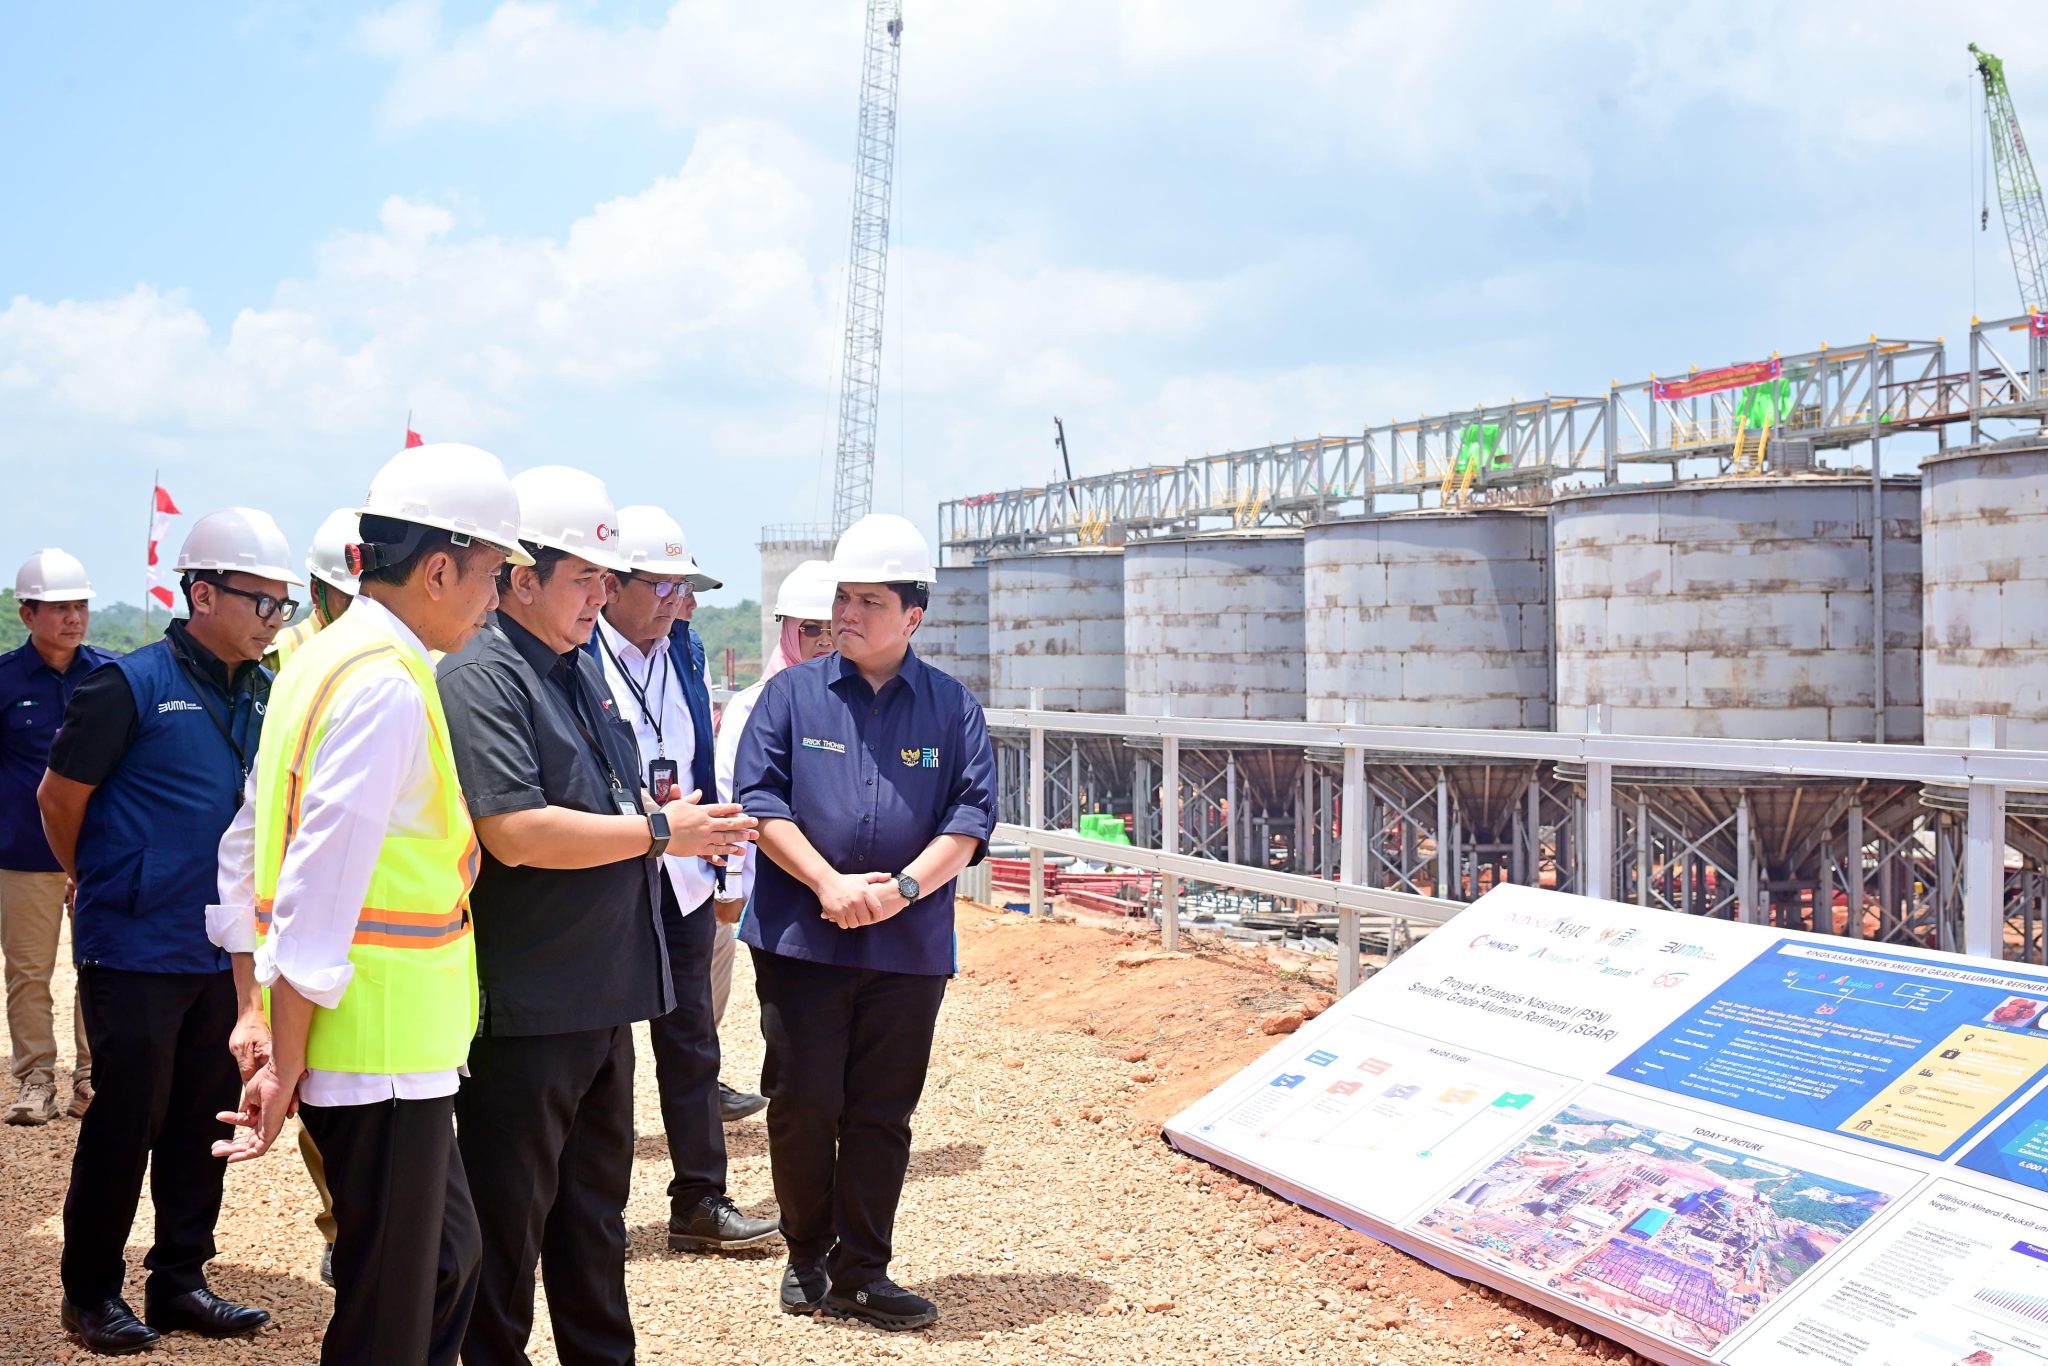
<point>1712,1142</point>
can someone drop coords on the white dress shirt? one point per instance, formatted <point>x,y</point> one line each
<point>731,726</point>
<point>371,773</point>
<point>665,731</point>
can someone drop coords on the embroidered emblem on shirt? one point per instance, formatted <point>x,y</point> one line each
<point>830,746</point>
<point>928,757</point>
<point>177,704</point>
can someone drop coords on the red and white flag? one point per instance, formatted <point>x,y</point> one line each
<point>160,522</point>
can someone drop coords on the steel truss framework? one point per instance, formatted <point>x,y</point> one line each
<point>1831,398</point>
<point>1882,857</point>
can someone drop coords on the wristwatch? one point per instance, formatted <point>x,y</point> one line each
<point>906,887</point>
<point>658,833</point>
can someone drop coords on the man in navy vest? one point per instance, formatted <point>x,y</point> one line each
<point>144,777</point>
<point>655,667</point>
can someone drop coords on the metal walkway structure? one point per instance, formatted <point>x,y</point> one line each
<point>1695,425</point>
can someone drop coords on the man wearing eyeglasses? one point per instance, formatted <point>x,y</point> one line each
<point>145,776</point>
<point>655,668</point>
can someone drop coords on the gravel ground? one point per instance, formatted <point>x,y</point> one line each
<point>1043,1214</point>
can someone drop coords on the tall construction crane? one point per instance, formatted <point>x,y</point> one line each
<point>874,164</point>
<point>2019,189</point>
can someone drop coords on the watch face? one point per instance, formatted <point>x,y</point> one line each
<point>657,823</point>
<point>906,886</point>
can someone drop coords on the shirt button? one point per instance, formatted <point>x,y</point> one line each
<point>863,820</point>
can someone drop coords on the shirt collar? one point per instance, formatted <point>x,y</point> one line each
<point>625,650</point>
<point>387,621</point>
<point>534,650</point>
<point>206,661</point>
<point>30,659</point>
<point>909,675</point>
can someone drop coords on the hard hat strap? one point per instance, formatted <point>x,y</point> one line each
<point>372,555</point>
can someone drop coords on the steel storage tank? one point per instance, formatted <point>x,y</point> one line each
<point>954,634</point>
<point>1741,608</point>
<point>1984,516</point>
<point>1737,608</point>
<point>1431,619</point>
<point>1056,622</point>
<point>1214,622</point>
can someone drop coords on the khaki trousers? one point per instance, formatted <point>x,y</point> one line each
<point>32,914</point>
<point>721,969</point>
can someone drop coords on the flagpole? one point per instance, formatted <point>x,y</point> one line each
<point>156,478</point>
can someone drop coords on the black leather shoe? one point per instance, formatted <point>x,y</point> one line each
<point>327,1266</point>
<point>883,1303</point>
<point>715,1224</point>
<point>734,1106</point>
<point>804,1286</point>
<point>204,1313</point>
<point>109,1328</point>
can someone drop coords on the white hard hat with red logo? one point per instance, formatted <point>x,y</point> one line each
<point>653,543</point>
<point>238,540</point>
<point>569,510</point>
<point>52,576</point>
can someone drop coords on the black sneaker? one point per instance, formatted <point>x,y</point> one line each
<point>803,1286</point>
<point>715,1224</point>
<point>734,1106</point>
<point>883,1303</point>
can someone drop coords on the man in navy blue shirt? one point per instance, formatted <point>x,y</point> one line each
<point>36,681</point>
<point>874,782</point>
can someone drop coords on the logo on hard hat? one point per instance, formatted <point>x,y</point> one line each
<point>671,548</point>
<point>604,533</point>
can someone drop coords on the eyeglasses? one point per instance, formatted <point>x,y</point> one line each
<point>811,630</point>
<point>284,609</point>
<point>664,588</point>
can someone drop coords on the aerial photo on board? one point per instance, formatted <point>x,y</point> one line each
<point>1624,1206</point>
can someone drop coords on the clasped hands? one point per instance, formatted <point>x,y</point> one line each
<point>851,900</point>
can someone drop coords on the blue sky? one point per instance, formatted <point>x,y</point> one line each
<point>241,241</point>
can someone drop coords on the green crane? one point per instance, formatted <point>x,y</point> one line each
<point>2019,189</point>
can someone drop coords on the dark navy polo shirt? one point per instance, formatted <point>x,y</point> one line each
<point>32,700</point>
<point>870,780</point>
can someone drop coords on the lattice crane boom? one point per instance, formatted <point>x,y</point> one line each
<point>874,163</point>
<point>2019,188</point>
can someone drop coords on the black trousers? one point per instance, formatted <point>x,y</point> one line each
<point>686,1058</point>
<point>545,1124</point>
<point>161,1072</point>
<point>846,1058</point>
<point>405,1247</point>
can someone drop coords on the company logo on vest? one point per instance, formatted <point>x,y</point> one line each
<point>177,704</point>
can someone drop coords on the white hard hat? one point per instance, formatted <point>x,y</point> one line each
<point>52,576</point>
<point>882,548</point>
<point>327,561</point>
<point>569,510</point>
<point>240,540</point>
<point>807,591</point>
<point>652,541</point>
<point>451,487</point>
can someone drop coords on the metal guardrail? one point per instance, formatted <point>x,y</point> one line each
<point>1984,768</point>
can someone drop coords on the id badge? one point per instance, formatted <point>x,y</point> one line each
<point>661,780</point>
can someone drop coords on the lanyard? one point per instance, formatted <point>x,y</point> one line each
<point>200,689</point>
<point>575,699</point>
<point>652,715</point>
